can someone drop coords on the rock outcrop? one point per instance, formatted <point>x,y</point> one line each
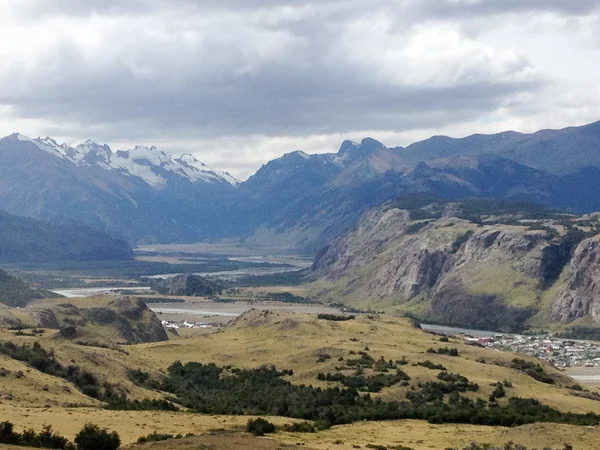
<point>581,296</point>
<point>466,264</point>
<point>116,320</point>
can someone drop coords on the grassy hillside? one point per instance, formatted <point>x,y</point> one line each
<point>308,346</point>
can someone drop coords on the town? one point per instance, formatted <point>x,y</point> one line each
<point>559,352</point>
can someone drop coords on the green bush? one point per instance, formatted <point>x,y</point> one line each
<point>46,438</point>
<point>299,427</point>
<point>534,370</point>
<point>155,437</point>
<point>92,437</point>
<point>429,365</point>
<point>260,427</point>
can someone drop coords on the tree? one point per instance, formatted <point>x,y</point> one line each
<point>92,437</point>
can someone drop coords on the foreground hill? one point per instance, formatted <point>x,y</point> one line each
<point>106,320</point>
<point>305,347</point>
<point>476,263</point>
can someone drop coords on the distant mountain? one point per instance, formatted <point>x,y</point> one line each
<point>141,194</point>
<point>186,284</point>
<point>298,201</point>
<point>558,152</point>
<point>27,240</point>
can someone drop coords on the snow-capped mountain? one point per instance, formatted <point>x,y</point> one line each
<point>150,164</point>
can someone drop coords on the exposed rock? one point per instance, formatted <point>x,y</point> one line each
<point>465,268</point>
<point>581,297</point>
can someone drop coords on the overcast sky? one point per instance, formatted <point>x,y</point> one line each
<point>241,82</point>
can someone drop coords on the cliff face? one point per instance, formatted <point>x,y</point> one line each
<point>581,296</point>
<point>447,265</point>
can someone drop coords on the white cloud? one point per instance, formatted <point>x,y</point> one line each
<point>243,82</point>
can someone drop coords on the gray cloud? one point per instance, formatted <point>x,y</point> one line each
<point>178,71</point>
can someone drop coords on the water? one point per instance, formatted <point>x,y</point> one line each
<point>208,308</point>
<point>90,292</point>
<point>454,330</point>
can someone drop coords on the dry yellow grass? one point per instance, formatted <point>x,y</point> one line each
<point>289,341</point>
<point>295,341</point>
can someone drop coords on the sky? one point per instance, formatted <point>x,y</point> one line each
<point>238,83</point>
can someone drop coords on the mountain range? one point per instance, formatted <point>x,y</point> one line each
<point>299,201</point>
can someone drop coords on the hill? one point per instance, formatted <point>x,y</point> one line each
<point>105,321</point>
<point>185,284</point>
<point>27,240</point>
<point>303,346</point>
<point>479,263</point>
<point>15,292</point>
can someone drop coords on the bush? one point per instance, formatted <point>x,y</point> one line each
<point>155,437</point>
<point>260,427</point>
<point>335,317</point>
<point>534,370</point>
<point>29,438</point>
<point>92,437</point>
<point>299,427</point>
<point>444,351</point>
<point>429,365</point>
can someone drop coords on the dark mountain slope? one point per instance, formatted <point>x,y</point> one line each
<point>562,151</point>
<point>28,240</point>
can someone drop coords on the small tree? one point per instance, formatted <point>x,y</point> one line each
<point>260,427</point>
<point>92,437</point>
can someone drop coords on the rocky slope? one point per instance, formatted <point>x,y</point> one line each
<point>474,263</point>
<point>94,321</point>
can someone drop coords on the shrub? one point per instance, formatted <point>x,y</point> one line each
<point>335,317</point>
<point>260,427</point>
<point>155,437</point>
<point>92,437</point>
<point>429,365</point>
<point>534,370</point>
<point>299,427</point>
<point>29,438</point>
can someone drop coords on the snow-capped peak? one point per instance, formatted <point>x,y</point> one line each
<point>196,170</point>
<point>150,164</point>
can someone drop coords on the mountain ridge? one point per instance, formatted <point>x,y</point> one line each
<point>481,263</point>
<point>298,201</point>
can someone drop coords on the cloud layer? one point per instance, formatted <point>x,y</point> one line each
<point>241,82</point>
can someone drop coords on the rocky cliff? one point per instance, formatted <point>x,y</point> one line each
<point>474,263</point>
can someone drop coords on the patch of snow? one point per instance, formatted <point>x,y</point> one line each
<point>147,163</point>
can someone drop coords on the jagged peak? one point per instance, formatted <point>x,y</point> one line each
<point>149,163</point>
